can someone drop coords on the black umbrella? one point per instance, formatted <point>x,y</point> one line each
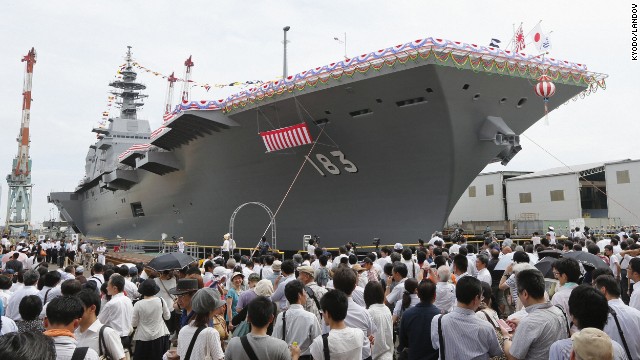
<point>546,266</point>
<point>586,258</point>
<point>172,261</point>
<point>550,252</point>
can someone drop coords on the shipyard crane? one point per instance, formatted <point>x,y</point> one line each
<point>168,102</point>
<point>186,86</point>
<point>19,180</point>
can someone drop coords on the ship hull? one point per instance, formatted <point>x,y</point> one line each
<point>403,165</point>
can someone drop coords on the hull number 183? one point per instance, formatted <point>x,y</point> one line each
<point>328,166</point>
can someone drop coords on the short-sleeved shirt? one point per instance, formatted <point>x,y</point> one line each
<point>561,350</point>
<point>245,298</point>
<point>465,335</point>
<point>265,347</point>
<point>544,325</point>
<point>344,344</point>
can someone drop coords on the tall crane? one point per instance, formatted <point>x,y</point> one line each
<point>19,180</point>
<point>186,85</point>
<point>168,102</point>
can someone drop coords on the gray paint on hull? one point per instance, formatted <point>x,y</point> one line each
<point>413,163</point>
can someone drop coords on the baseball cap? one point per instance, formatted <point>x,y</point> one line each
<point>592,344</point>
<point>80,270</point>
<point>133,270</point>
<point>397,246</point>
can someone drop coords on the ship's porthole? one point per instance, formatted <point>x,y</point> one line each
<point>465,87</point>
<point>503,100</point>
<point>521,102</point>
<point>476,97</point>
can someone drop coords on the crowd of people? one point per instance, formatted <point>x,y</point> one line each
<point>431,301</point>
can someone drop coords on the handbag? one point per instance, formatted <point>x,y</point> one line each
<point>498,335</point>
<point>242,329</point>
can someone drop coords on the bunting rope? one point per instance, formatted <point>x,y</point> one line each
<point>205,86</point>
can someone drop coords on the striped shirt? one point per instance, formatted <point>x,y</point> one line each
<point>466,336</point>
<point>544,325</point>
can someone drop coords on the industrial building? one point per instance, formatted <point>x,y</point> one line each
<point>531,201</point>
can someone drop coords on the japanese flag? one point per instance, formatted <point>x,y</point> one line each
<point>540,39</point>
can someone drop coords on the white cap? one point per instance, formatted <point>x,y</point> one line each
<point>397,246</point>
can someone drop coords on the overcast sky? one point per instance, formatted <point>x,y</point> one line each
<point>80,45</point>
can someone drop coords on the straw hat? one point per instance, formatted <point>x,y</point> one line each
<point>592,344</point>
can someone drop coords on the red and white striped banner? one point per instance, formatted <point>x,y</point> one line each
<point>287,137</point>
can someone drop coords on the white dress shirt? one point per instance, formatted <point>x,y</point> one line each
<point>301,327</point>
<point>12,311</point>
<point>629,319</point>
<point>484,275</point>
<point>8,326</point>
<point>383,344</point>
<point>396,293</point>
<point>89,338</point>
<point>634,302</point>
<point>65,345</point>
<point>148,319</point>
<point>358,317</point>
<point>118,314</point>
<point>344,344</point>
<point>445,296</point>
<point>131,289</point>
<point>278,295</point>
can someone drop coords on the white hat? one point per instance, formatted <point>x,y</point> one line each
<point>592,343</point>
<point>551,228</point>
<point>219,271</point>
<point>397,246</point>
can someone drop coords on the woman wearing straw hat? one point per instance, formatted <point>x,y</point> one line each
<point>197,340</point>
<point>233,295</point>
<point>149,314</point>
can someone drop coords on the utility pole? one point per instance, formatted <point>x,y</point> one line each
<point>19,180</point>
<point>284,67</point>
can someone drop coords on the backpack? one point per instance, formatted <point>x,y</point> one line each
<point>323,277</point>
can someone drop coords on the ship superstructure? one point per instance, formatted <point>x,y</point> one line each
<point>396,136</point>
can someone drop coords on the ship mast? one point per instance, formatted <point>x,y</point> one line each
<point>129,90</point>
<point>19,180</point>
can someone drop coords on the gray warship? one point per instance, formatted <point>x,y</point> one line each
<point>391,140</point>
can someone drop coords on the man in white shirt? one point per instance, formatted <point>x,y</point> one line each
<point>634,274</point>
<point>311,247</point>
<point>343,342</point>
<point>31,278</point>
<point>551,235</point>
<point>267,271</point>
<point>288,274</point>
<point>63,316</point>
<point>101,250</point>
<point>413,269</point>
<point>535,239</point>
<point>97,277</point>
<point>226,246</point>
<point>483,273</point>
<point>88,332</point>
<point>567,272</point>
<point>118,312</point>
<point>5,292</point>
<point>614,262</point>
<point>181,244</point>
<point>626,316</point>
<point>399,275</point>
<point>436,236</point>
<point>357,316</point>
<point>296,324</point>
<point>384,257</point>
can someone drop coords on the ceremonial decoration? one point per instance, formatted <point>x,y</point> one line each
<point>545,89</point>
<point>438,51</point>
<point>288,137</point>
